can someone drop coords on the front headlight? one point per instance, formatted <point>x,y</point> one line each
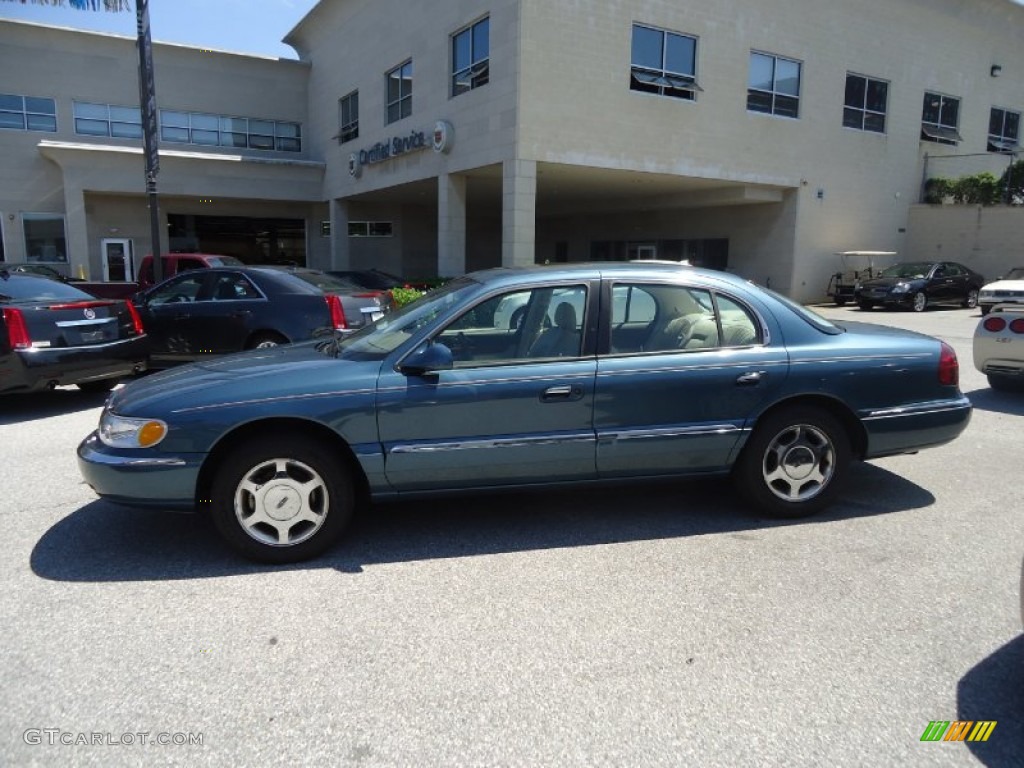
<point>901,288</point>
<point>122,432</point>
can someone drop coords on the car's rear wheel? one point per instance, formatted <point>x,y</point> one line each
<point>971,300</point>
<point>794,463</point>
<point>919,303</point>
<point>282,500</point>
<point>1006,383</point>
<point>100,385</point>
<point>266,341</point>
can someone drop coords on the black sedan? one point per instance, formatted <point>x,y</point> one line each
<point>918,285</point>
<point>53,334</point>
<point>202,313</point>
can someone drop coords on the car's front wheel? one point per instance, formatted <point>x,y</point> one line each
<point>985,309</point>
<point>282,500</point>
<point>864,305</point>
<point>97,386</point>
<point>794,463</point>
<point>919,303</point>
<point>971,300</point>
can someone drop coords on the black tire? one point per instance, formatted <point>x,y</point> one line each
<point>985,309</point>
<point>818,452</point>
<point>98,386</point>
<point>1005,383</point>
<point>971,300</point>
<point>265,340</point>
<point>865,305</point>
<point>919,301</point>
<point>840,301</point>
<point>283,487</point>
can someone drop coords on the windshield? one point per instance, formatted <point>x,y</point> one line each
<point>376,341</point>
<point>325,282</point>
<point>224,261</point>
<point>28,287</point>
<point>1017,273</point>
<point>807,315</point>
<point>912,269</point>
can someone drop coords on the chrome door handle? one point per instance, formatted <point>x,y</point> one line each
<point>561,392</point>
<point>749,379</point>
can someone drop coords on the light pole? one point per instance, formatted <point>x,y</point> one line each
<point>147,105</point>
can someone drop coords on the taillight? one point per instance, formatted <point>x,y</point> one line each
<point>994,324</point>
<point>949,368</point>
<point>136,320</point>
<point>1017,326</point>
<point>17,331</point>
<point>338,321</point>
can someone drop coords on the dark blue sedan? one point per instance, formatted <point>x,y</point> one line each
<point>616,372</point>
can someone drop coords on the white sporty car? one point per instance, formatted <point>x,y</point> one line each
<point>1008,289</point>
<point>999,347</point>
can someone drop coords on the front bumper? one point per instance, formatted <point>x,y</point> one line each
<point>907,429</point>
<point>140,478</point>
<point>38,368</point>
<point>886,298</point>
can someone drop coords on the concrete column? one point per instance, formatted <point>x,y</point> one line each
<point>81,259</point>
<point>451,225</point>
<point>341,255</point>
<point>518,213</point>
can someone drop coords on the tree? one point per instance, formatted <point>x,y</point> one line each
<point>1012,183</point>
<point>113,6</point>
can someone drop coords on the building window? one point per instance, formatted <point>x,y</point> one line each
<point>44,237</point>
<point>664,63</point>
<point>239,132</point>
<point>399,100</point>
<point>27,113</point>
<point>940,119</point>
<point>866,103</point>
<point>348,117</point>
<point>1003,130</point>
<point>370,229</point>
<point>471,57</point>
<point>774,85</point>
<point>108,120</point>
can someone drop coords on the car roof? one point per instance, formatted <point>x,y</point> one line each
<point>593,270</point>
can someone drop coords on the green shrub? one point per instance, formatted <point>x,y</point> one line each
<point>979,189</point>
<point>403,296</point>
<point>937,189</point>
<point>1012,183</point>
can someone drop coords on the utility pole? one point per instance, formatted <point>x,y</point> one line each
<point>147,104</point>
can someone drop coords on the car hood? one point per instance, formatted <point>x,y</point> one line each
<point>888,282</point>
<point>290,371</point>
<point>1005,285</point>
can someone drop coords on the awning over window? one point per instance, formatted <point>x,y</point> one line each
<point>1002,145</point>
<point>683,82</point>
<point>940,133</point>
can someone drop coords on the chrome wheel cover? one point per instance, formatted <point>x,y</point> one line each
<point>972,299</point>
<point>920,302</point>
<point>798,463</point>
<point>266,344</point>
<point>281,502</point>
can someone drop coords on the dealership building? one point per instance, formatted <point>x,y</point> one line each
<point>437,138</point>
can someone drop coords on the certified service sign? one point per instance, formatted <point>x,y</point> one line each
<point>355,168</point>
<point>444,136</point>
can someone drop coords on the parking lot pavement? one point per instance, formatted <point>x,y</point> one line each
<point>660,625</point>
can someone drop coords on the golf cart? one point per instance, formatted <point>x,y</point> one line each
<point>856,266</point>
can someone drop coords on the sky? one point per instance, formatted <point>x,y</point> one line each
<point>229,25</point>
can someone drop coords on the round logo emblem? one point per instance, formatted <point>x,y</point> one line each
<point>89,314</point>
<point>444,136</point>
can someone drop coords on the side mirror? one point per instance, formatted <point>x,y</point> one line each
<point>139,299</point>
<point>432,357</point>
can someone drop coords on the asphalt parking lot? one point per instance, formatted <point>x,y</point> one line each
<point>660,625</point>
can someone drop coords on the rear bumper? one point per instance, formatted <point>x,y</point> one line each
<point>911,428</point>
<point>140,478</point>
<point>28,370</point>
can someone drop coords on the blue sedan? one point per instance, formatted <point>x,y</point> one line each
<point>616,372</point>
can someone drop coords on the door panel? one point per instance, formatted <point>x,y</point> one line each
<point>511,411</point>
